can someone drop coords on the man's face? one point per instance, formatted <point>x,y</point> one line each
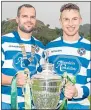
<point>70,21</point>
<point>27,19</point>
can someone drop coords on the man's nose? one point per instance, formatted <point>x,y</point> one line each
<point>29,18</point>
<point>70,22</point>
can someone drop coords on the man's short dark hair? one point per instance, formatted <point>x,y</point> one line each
<point>69,6</point>
<point>24,5</point>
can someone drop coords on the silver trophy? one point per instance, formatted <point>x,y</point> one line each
<point>46,87</point>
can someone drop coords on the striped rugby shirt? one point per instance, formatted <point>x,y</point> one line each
<point>72,58</point>
<point>12,61</point>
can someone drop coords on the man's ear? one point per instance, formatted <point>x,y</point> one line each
<point>60,21</point>
<point>17,19</point>
<point>80,21</point>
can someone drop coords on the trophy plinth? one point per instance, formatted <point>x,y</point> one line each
<point>46,89</point>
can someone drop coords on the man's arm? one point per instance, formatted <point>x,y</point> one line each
<point>84,90</point>
<point>21,79</point>
<point>78,91</point>
<point>6,80</point>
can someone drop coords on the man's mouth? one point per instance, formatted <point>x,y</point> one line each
<point>28,24</point>
<point>70,29</point>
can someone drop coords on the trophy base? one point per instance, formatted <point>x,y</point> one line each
<point>45,100</point>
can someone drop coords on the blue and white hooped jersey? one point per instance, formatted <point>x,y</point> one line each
<point>12,59</point>
<point>73,58</point>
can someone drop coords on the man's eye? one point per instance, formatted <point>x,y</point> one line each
<point>33,17</point>
<point>74,18</point>
<point>66,19</point>
<point>24,16</point>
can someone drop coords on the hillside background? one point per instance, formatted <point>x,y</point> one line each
<point>43,32</point>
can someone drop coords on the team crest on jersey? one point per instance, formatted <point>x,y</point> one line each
<point>34,48</point>
<point>81,51</point>
<point>37,48</point>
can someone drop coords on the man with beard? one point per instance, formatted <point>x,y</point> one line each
<point>70,53</point>
<point>20,50</point>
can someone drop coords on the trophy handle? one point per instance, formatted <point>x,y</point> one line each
<point>64,101</point>
<point>64,81</point>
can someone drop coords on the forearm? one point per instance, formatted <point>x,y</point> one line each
<point>22,78</point>
<point>6,80</point>
<point>84,86</point>
<point>83,91</point>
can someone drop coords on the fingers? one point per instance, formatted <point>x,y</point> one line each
<point>21,79</point>
<point>69,91</point>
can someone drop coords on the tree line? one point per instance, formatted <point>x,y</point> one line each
<point>43,32</point>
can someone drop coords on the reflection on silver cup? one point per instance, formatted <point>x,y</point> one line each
<point>46,87</point>
<point>46,91</point>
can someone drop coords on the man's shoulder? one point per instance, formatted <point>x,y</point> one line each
<point>86,41</point>
<point>54,42</point>
<point>39,43</point>
<point>8,35</point>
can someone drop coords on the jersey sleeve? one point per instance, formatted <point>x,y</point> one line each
<point>3,56</point>
<point>84,90</point>
<point>2,51</point>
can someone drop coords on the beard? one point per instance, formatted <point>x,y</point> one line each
<point>22,28</point>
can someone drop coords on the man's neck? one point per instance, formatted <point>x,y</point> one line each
<point>24,35</point>
<point>70,38</point>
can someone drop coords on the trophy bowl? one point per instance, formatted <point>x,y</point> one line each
<point>46,88</point>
